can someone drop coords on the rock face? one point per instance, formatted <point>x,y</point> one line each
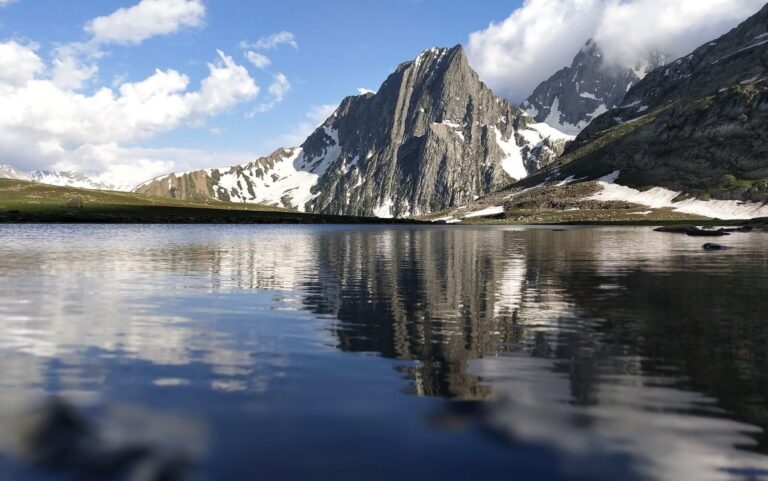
<point>432,137</point>
<point>695,126</point>
<point>575,95</point>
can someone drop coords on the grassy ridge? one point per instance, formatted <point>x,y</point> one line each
<point>32,202</point>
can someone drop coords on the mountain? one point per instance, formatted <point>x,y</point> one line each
<point>696,126</point>
<point>73,179</point>
<point>575,95</point>
<point>433,136</point>
<point>8,172</point>
<point>61,179</point>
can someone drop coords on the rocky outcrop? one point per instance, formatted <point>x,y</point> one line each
<point>432,137</point>
<point>695,126</point>
<point>575,95</point>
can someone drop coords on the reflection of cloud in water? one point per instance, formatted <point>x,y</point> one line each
<point>665,430</point>
<point>137,300</point>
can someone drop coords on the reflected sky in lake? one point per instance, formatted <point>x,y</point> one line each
<point>367,353</point>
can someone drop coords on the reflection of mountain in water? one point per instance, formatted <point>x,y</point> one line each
<point>622,320</point>
<point>396,293</point>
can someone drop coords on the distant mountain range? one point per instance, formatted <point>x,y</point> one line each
<point>63,179</point>
<point>433,136</point>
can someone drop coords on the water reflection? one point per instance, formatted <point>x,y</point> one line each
<point>606,352</point>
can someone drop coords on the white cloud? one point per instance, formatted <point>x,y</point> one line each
<point>3,3</point>
<point>271,42</point>
<point>146,19</point>
<point>44,123</point>
<point>279,87</point>
<point>74,65</point>
<point>363,91</point>
<point>18,63</point>
<point>677,27</point>
<point>130,166</point>
<point>542,36</point>
<point>258,60</point>
<point>277,91</point>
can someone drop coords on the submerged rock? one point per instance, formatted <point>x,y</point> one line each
<point>707,233</point>
<point>677,229</point>
<point>714,247</point>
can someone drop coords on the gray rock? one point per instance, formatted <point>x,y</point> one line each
<point>714,247</point>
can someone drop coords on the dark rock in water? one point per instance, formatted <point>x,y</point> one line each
<point>692,231</point>
<point>677,229</point>
<point>75,203</point>
<point>746,228</point>
<point>714,247</point>
<point>707,233</point>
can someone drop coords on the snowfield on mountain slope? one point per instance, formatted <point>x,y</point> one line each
<point>659,197</point>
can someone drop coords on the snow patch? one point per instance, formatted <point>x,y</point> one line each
<point>485,212</point>
<point>384,211</point>
<point>659,198</point>
<point>512,163</point>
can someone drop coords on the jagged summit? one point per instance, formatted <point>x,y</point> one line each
<point>431,137</point>
<point>575,95</point>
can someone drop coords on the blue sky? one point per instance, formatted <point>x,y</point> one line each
<point>342,45</point>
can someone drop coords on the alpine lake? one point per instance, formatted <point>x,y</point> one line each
<point>151,352</point>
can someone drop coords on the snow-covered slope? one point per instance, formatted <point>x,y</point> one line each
<point>8,172</point>
<point>286,178</point>
<point>73,179</point>
<point>432,136</point>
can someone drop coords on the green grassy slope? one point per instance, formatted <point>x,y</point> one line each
<point>32,202</point>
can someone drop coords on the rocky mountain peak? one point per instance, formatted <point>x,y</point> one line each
<point>431,137</point>
<point>575,95</point>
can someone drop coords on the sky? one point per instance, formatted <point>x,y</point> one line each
<point>124,90</point>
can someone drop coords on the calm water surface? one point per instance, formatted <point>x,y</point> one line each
<point>379,353</point>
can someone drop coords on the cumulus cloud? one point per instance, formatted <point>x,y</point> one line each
<point>44,123</point>
<point>258,60</point>
<point>271,42</point>
<point>148,18</point>
<point>18,63</point>
<point>363,91</point>
<point>542,36</point>
<point>277,92</point>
